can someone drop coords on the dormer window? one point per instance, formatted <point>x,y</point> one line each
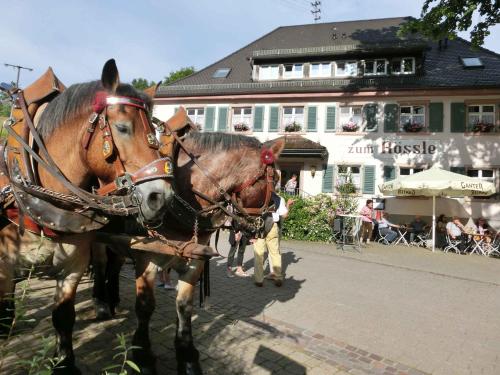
<point>320,70</point>
<point>346,68</point>
<point>268,72</point>
<point>405,65</point>
<point>293,71</point>
<point>375,67</point>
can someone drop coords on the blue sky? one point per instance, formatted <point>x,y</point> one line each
<point>150,38</point>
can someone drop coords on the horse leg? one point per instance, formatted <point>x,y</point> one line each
<point>99,291</point>
<point>63,314</point>
<point>7,303</point>
<point>188,357</point>
<point>144,307</point>
<point>115,263</point>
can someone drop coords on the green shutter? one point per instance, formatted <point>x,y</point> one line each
<point>311,119</point>
<point>369,179</point>
<point>222,119</point>
<point>389,172</point>
<point>370,113</point>
<point>328,179</point>
<point>436,117</point>
<point>258,119</point>
<point>459,170</point>
<point>391,118</point>
<point>457,117</point>
<point>273,119</point>
<point>209,119</point>
<point>330,118</point>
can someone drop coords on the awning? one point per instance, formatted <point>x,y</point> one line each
<point>298,146</point>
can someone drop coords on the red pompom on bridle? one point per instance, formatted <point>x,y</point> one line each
<point>267,156</point>
<point>99,101</point>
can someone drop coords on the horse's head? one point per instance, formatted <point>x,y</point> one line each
<point>117,145</point>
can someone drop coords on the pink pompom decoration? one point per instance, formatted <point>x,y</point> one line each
<point>99,101</point>
<point>267,156</point>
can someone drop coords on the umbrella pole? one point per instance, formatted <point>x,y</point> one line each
<point>433,222</point>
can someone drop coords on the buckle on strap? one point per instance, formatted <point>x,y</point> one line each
<point>124,182</point>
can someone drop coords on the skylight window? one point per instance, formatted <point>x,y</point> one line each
<point>472,62</point>
<point>221,73</point>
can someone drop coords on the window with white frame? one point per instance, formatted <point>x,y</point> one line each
<point>348,178</point>
<point>481,118</point>
<point>375,67</point>
<point>405,65</point>
<point>411,118</point>
<point>241,119</point>
<point>485,174</point>
<point>350,118</point>
<point>197,115</point>
<point>293,119</point>
<point>268,72</point>
<point>293,71</point>
<point>408,171</point>
<point>320,70</point>
<point>346,68</point>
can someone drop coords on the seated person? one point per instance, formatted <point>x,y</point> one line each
<point>417,226</point>
<point>483,228</point>
<point>455,228</point>
<point>384,226</point>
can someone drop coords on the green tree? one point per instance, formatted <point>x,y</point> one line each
<point>178,74</point>
<point>4,105</point>
<point>141,83</point>
<point>447,17</point>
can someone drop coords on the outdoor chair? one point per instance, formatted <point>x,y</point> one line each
<point>421,239</point>
<point>452,245</point>
<point>493,249</point>
<point>383,238</point>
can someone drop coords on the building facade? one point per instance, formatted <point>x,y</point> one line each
<point>357,105</point>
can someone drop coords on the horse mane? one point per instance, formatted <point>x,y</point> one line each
<point>76,101</point>
<point>221,141</point>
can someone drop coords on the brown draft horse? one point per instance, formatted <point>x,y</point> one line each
<point>230,160</point>
<point>63,126</point>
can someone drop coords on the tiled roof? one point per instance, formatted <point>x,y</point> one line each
<point>441,67</point>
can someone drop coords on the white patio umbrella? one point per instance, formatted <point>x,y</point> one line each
<point>436,182</point>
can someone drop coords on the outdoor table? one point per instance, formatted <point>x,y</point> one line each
<point>402,232</point>
<point>351,225</point>
<point>477,244</point>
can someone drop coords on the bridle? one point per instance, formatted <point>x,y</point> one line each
<point>124,182</point>
<point>246,217</point>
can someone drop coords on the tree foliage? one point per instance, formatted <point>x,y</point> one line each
<point>178,74</point>
<point>141,83</point>
<point>4,105</point>
<point>446,17</point>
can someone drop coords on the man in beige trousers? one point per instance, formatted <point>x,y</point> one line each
<point>272,242</point>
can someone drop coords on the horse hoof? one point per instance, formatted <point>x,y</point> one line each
<point>66,370</point>
<point>102,312</point>
<point>192,368</point>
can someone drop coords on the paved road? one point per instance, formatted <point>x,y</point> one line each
<point>388,310</point>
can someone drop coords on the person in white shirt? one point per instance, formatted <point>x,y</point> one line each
<point>271,242</point>
<point>454,228</point>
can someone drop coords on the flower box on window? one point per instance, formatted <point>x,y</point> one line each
<point>350,127</point>
<point>293,127</point>
<point>241,127</point>
<point>413,127</point>
<point>482,127</point>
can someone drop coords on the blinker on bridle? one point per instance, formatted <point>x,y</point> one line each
<point>159,168</point>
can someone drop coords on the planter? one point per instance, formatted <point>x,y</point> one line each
<point>293,127</point>
<point>350,127</point>
<point>241,127</point>
<point>482,127</point>
<point>412,127</point>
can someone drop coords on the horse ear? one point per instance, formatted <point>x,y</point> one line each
<point>110,78</point>
<point>277,147</point>
<point>151,91</point>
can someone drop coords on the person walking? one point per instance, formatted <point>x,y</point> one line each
<point>367,222</point>
<point>271,243</point>
<point>291,185</point>
<point>239,242</point>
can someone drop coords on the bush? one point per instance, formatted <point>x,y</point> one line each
<point>310,219</point>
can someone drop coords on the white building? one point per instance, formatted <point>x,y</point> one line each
<point>356,101</point>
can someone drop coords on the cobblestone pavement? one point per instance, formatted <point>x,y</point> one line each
<point>287,330</point>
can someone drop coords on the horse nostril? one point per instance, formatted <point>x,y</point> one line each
<point>156,201</point>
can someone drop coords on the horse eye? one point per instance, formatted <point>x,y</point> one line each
<point>122,128</point>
